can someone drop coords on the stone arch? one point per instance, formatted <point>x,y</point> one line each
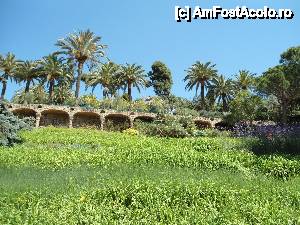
<point>87,119</point>
<point>54,117</point>
<point>24,112</point>
<point>116,122</point>
<point>202,124</point>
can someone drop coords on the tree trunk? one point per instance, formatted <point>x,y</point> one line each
<point>224,103</point>
<point>79,75</point>
<point>104,94</point>
<point>27,86</point>
<point>284,112</point>
<point>202,95</point>
<point>129,91</point>
<point>4,83</point>
<point>51,86</point>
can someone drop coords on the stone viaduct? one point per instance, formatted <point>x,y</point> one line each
<point>65,116</point>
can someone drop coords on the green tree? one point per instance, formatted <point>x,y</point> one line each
<point>106,76</point>
<point>52,70</point>
<point>81,47</point>
<point>274,82</point>
<point>161,79</point>
<point>8,66</point>
<point>221,90</point>
<point>27,71</point>
<point>199,74</point>
<point>283,82</point>
<point>244,80</point>
<point>244,107</point>
<point>132,75</point>
<point>291,60</point>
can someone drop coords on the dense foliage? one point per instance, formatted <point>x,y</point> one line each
<point>283,81</point>
<point>161,79</point>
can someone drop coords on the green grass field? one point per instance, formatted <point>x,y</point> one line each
<point>78,176</point>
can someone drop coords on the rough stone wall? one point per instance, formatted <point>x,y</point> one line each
<point>68,116</point>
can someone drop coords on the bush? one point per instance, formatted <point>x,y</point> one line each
<point>131,131</point>
<point>278,145</point>
<point>161,129</point>
<point>188,123</point>
<point>10,125</point>
<point>211,133</point>
<point>171,126</point>
<point>62,95</point>
<point>36,95</point>
<point>89,101</point>
<point>118,104</point>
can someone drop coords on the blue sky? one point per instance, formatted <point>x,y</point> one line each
<point>145,31</point>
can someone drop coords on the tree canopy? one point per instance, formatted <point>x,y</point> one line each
<point>161,79</point>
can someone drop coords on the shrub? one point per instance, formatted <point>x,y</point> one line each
<point>62,95</point>
<point>279,145</point>
<point>36,95</point>
<point>211,133</point>
<point>188,123</point>
<point>139,106</point>
<point>10,125</point>
<point>118,104</point>
<point>89,101</point>
<point>131,131</point>
<point>161,129</point>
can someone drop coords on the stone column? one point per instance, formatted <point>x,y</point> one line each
<point>70,121</point>
<point>131,120</point>
<point>37,119</point>
<point>102,122</point>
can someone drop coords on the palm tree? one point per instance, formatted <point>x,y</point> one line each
<point>27,72</point>
<point>106,76</point>
<point>132,75</point>
<point>8,66</point>
<point>199,74</point>
<point>244,80</point>
<point>53,70</point>
<point>81,47</point>
<point>221,89</point>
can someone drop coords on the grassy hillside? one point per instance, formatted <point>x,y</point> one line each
<point>77,176</point>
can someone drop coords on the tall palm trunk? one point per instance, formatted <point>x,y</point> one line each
<point>51,87</point>
<point>27,86</point>
<point>202,94</point>
<point>105,93</point>
<point>224,103</point>
<point>284,106</point>
<point>4,84</point>
<point>284,112</point>
<point>129,91</point>
<point>79,71</point>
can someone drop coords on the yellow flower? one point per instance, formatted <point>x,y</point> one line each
<point>82,199</point>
